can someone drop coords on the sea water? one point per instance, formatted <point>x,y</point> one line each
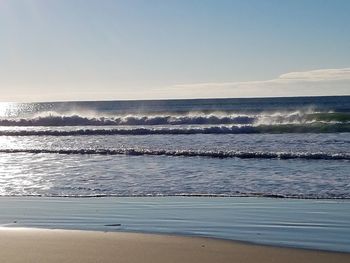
<point>279,147</point>
<point>156,166</point>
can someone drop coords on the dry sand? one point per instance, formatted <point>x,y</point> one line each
<point>35,245</point>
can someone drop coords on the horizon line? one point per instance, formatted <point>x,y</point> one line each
<point>176,99</point>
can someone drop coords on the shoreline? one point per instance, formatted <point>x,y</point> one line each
<point>170,235</point>
<point>301,224</point>
<point>251,196</point>
<point>52,245</point>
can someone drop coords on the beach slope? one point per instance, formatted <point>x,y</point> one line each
<point>36,245</point>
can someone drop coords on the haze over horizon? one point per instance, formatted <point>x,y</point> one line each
<point>117,50</point>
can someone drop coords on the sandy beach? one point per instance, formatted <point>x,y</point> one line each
<point>39,245</point>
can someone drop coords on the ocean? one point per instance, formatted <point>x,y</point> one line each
<point>278,147</point>
<point>265,170</point>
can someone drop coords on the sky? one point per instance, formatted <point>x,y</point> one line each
<point>55,50</point>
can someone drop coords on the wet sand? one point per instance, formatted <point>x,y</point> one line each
<point>312,224</point>
<point>40,245</point>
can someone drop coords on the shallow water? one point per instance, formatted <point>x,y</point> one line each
<point>120,175</point>
<point>292,165</point>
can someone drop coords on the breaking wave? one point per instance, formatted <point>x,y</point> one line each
<point>190,153</point>
<point>235,129</point>
<point>214,118</point>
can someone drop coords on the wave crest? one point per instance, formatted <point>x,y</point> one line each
<point>239,129</point>
<point>214,118</point>
<point>190,153</point>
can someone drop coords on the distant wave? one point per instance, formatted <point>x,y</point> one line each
<point>214,118</point>
<point>244,129</point>
<point>76,120</point>
<point>190,153</point>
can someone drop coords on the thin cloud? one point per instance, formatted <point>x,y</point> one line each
<point>318,75</point>
<point>303,83</point>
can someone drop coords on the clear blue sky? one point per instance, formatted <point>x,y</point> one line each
<point>133,49</point>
